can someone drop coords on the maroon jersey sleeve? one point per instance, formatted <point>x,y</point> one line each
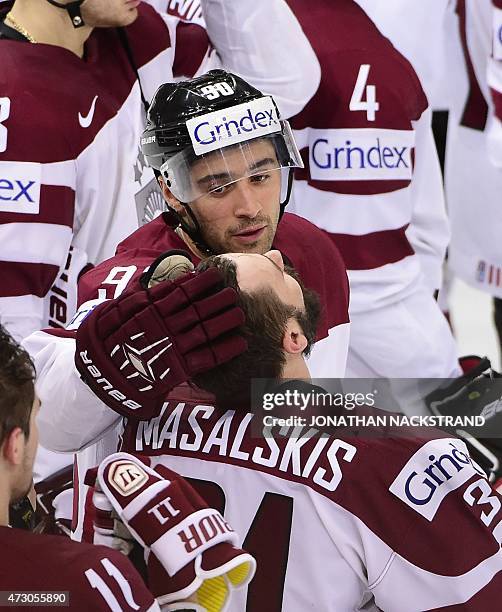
<point>110,278</point>
<point>193,47</point>
<point>95,577</point>
<point>113,276</point>
<point>106,282</point>
<point>110,582</point>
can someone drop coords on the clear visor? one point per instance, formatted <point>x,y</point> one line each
<point>190,177</point>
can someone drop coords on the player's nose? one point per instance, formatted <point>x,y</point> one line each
<point>247,204</point>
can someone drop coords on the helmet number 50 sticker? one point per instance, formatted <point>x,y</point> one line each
<point>211,92</point>
<point>4,114</point>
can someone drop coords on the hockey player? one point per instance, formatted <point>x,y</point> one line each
<point>429,61</point>
<point>474,153</point>
<point>335,522</point>
<point>231,197</point>
<point>71,182</point>
<point>372,182</point>
<point>49,570</point>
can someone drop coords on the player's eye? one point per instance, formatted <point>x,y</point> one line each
<point>259,178</point>
<point>217,191</point>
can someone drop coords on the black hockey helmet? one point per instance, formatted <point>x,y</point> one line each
<point>200,121</point>
<point>174,104</point>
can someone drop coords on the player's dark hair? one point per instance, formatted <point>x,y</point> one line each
<point>17,390</point>
<point>266,321</point>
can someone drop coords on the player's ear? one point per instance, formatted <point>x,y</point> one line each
<point>168,196</point>
<point>13,447</point>
<point>294,341</point>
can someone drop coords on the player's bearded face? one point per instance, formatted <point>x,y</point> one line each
<point>242,216</point>
<point>109,13</point>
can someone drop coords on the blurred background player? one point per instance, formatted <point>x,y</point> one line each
<point>229,197</point>
<point>474,158</point>
<point>80,186</point>
<point>372,182</point>
<point>452,69</point>
<point>429,61</point>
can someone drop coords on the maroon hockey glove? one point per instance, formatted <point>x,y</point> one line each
<point>190,550</point>
<point>133,350</point>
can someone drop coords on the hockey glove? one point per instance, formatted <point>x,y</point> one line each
<point>108,529</point>
<point>190,550</point>
<point>133,350</point>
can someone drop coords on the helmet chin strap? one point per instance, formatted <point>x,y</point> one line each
<point>288,193</point>
<point>194,232</point>
<point>73,9</point>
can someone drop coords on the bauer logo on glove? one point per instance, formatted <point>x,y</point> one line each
<point>134,349</point>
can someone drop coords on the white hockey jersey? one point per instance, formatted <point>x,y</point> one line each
<point>473,181</point>
<point>339,522</point>
<point>73,182</point>
<point>405,23</point>
<point>372,179</point>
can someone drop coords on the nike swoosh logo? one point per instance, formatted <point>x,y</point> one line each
<point>86,120</point>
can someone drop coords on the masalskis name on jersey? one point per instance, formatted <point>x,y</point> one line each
<point>204,431</point>
<point>421,468</point>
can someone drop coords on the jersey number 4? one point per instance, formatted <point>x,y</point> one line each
<point>4,114</point>
<point>361,90</point>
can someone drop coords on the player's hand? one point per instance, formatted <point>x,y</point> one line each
<point>190,549</point>
<point>133,350</point>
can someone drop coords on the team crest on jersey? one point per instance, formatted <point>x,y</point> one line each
<point>149,203</point>
<point>126,477</point>
<point>435,470</point>
<point>149,200</point>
